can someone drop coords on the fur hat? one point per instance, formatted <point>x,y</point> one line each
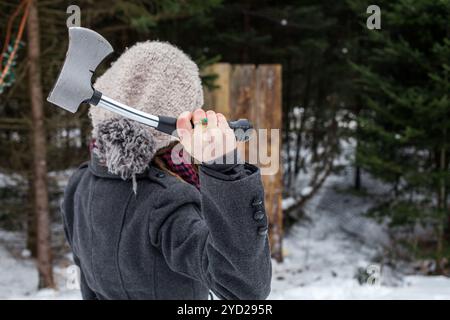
<point>154,77</point>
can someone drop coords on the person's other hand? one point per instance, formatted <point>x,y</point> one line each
<point>207,141</point>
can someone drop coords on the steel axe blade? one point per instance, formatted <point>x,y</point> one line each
<point>87,49</point>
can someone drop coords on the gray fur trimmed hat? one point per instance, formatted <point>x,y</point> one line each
<point>151,76</point>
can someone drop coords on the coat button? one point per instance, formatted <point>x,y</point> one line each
<point>160,175</point>
<point>262,231</point>
<point>257,202</point>
<point>259,215</point>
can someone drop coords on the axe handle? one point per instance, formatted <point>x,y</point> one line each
<point>242,127</point>
<point>119,108</point>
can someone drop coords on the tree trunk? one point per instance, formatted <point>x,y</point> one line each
<point>305,106</point>
<point>41,203</point>
<point>357,180</point>
<point>31,220</point>
<point>443,194</point>
<point>357,177</point>
<point>287,123</point>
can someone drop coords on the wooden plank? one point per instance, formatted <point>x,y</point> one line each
<point>219,99</point>
<point>242,96</point>
<point>242,91</point>
<point>267,115</point>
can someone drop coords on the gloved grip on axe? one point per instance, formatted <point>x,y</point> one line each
<point>240,127</point>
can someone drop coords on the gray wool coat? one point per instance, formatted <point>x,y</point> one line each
<point>170,240</point>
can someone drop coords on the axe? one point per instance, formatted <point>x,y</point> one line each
<point>87,49</point>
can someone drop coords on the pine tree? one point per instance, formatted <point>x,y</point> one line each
<point>405,119</point>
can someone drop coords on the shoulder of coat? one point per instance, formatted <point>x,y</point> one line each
<point>162,178</point>
<point>167,180</point>
<point>83,165</point>
<point>76,176</point>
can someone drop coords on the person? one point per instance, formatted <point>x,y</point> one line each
<point>144,223</point>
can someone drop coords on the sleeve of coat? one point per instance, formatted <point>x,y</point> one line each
<point>67,206</point>
<point>86,292</point>
<point>221,242</point>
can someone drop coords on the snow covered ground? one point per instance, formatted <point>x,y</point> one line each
<point>19,280</point>
<point>19,277</point>
<point>324,253</point>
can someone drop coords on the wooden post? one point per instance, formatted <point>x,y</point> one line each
<point>247,91</point>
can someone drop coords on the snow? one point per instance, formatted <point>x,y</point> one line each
<point>287,203</point>
<point>19,277</point>
<point>19,280</point>
<point>326,251</point>
<point>306,191</point>
<point>414,288</point>
<point>61,177</point>
<point>7,180</point>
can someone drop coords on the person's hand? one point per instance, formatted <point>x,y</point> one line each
<point>210,139</point>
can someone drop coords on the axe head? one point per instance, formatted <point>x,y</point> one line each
<point>86,51</point>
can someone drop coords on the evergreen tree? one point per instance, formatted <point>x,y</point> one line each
<point>405,119</point>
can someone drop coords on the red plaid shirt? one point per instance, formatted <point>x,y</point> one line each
<point>185,170</point>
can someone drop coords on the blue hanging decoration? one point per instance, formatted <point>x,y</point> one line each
<point>10,76</point>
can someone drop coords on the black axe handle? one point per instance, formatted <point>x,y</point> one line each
<point>240,127</point>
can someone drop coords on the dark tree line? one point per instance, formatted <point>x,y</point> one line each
<point>404,116</point>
